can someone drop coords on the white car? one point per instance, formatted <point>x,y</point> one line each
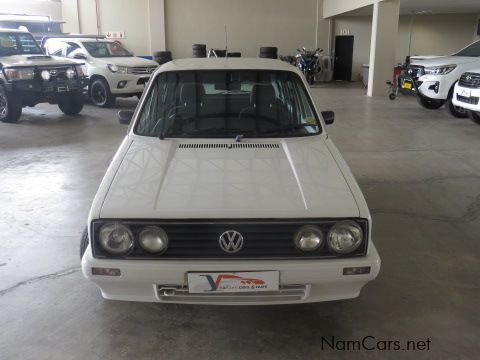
<point>113,70</point>
<point>228,190</point>
<point>467,94</point>
<point>435,78</point>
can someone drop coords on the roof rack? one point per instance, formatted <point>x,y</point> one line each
<point>71,36</point>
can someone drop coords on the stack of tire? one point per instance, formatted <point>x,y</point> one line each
<point>234,54</point>
<point>162,57</point>
<point>218,52</point>
<point>269,52</point>
<point>199,50</point>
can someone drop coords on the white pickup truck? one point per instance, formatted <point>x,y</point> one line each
<point>434,78</point>
<point>467,94</point>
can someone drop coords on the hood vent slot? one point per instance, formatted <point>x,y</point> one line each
<point>38,57</point>
<point>229,146</point>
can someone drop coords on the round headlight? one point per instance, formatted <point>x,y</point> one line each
<point>153,239</point>
<point>345,237</point>
<point>45,75</point>
<point>308,238</point>
<point>70,73</point>
<point>116,238</point>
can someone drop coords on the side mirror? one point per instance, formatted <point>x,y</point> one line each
<point>80,56</point>
<point>125,116</point>
<point>328,116</point>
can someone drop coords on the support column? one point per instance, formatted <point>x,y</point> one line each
<point>383,45</point>
<point>156,25</point>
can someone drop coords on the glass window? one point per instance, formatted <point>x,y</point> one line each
<point>219,104</point>
<point>470,50</point>
<point>102,49</point>
<point>18,44</point>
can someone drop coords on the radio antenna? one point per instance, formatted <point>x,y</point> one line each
<point>226,40</point>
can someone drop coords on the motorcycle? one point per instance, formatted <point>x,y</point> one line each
<point>309,63</point>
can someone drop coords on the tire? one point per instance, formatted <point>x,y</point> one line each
<point>455,111</point>
<point>10,107</point>
<point>268,52</point>
<point>71,103</point>
<point>100,94</point>
<point>311,79</point>
<point>162,57</point>
<point>428,103</point>
<point>234,54</point>
<point>199,47</point>
<point>392,96</point>
<point>199,53</point>
<point>474,116</point>
<point>83,243</point>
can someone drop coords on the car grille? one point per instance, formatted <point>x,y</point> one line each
<point>469,100</point>
<point>415,71</point>
<point>142,70</point>
<point>169,293</point>
<point>200,239</point>
<point>469,80</point>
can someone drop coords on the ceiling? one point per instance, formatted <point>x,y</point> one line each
<point>427,7</point>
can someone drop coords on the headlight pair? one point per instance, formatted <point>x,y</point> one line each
<point>118,239</point>
<point>343,238</point>
<point>117,69</point>
<point>19,73</point>
<point>439,70</point>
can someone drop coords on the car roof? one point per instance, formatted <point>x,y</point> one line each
<point>14,31</point>
<point>90,39</point>
<point>227,64</point>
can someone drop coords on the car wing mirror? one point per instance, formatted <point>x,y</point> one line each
<point>80,56</point>
<point>125,116</point>
<point>328,116</point>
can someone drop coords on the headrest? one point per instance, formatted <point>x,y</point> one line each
<point>190,92</point>
<point>263,95</point>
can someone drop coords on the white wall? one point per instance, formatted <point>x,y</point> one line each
<point>250,24</point>
<point>432,35</point>
<point>32,7</point>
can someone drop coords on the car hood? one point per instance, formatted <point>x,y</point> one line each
<point>445,60</point>
<point>127,61</point>
<point>34,60</point>
<point>163,179</point>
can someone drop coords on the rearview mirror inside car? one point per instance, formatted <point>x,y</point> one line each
<point>328,116</point>
<point>125,116</point>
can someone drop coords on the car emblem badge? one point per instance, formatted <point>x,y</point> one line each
<point>53,72</point>
<point>468,77</point>
<point>231,241</point>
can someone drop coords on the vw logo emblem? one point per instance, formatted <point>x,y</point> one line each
<point>231,241</point>
<point>468,77</point>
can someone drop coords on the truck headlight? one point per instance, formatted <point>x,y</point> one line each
<point>70,73</point>
<point>117,69</point>
<point>116,238</point>
<point>439,70</point>
<point>308,238</point>
<point>344,237</point>
<point>19,73</point>
<point>45,75</point>
<point>153,239</point>
<point>81,70</point>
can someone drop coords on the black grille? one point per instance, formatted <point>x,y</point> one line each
<point>229,146</point>
<point>469,100</point>
<point>272,239</point>
<point>469,80</point>
<point>415,71</point>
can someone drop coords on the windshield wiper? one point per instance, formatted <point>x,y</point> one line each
<point>284,129</point>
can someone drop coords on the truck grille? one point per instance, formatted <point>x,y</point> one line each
<point>469,100</point>
<point>415,71</point>
<point>142,70</point>
<point>200,239</point>
<point>469,80</point>
<point>56,73</point>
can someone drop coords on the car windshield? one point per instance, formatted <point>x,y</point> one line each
<point>103,49</point>
<point>18,44</point>
<point>471,50</point>
<point>220,104</point>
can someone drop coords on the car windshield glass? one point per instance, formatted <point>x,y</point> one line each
<point>221,104</point>
<point>102,49</point>
<point>18,44</point>
<point>470,50</point>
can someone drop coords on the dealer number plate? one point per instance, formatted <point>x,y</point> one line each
<point>232,282</point>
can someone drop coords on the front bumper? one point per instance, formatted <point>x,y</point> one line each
<point>46,87</point>
<point>467,98</point>
<point>433,86</point>
<point>127,84</point>
<point>301,281</point>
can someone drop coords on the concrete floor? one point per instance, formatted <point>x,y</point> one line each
<point>419,170</point>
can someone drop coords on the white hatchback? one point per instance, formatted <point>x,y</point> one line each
<point>228,190</point>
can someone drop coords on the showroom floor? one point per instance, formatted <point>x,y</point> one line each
<point>420,173</point>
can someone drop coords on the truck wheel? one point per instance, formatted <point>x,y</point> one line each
<point>456,111</point>
<point>10,107</point>
<point>83,243</point>
<point>71,103</point>
<point>474,116</point>
<point>100,94</point>
<point>428,103</point>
